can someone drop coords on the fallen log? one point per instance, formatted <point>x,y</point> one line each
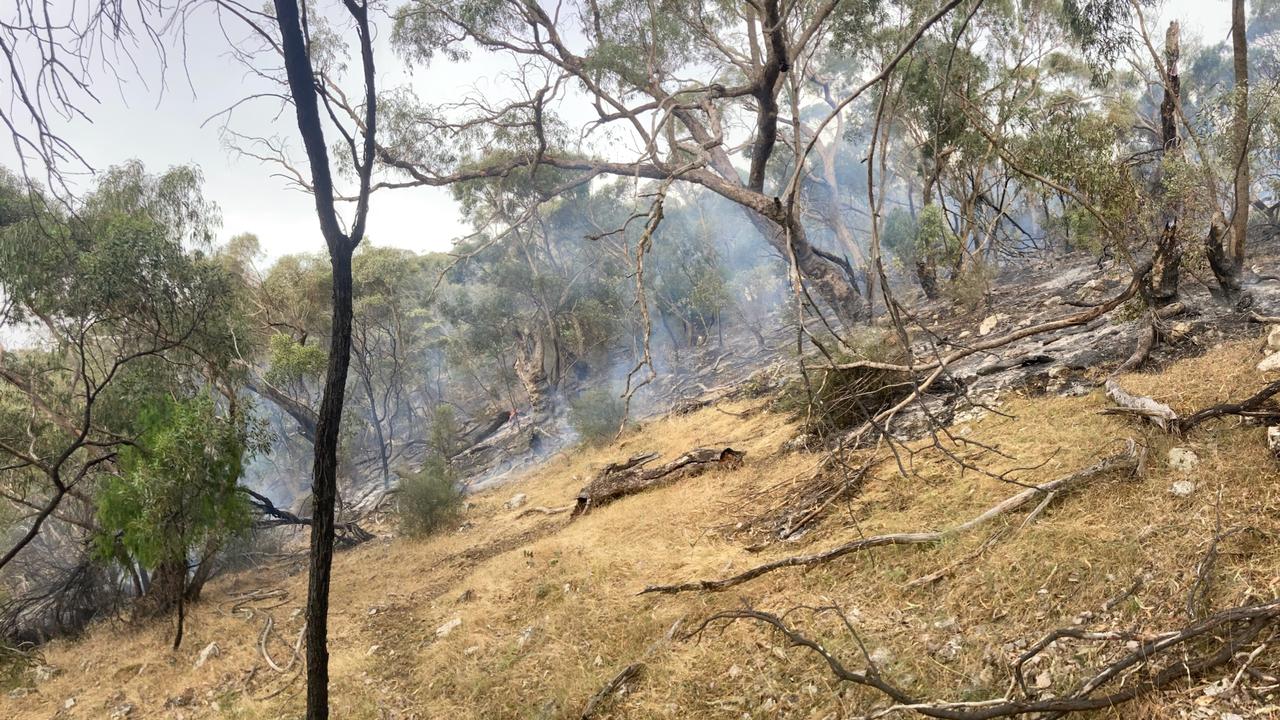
<point>1130,460</point>
<point>618,480</point>
<point>1126,404</point>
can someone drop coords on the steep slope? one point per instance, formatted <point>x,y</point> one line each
<point>529,615</point>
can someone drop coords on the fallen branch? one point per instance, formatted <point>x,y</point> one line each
<point>618,480</point>
<point>1254,406</point>
<point>544,511</point>
<point>627,673</point>
<point>1232,631</point>
<point>610,688</point>
<point>1157,412</point>
<point>1130,459</point>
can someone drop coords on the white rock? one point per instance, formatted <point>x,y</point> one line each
<point>373,649</point>
<point>1270,363</point>
<point>1273,339</point>
<point>517,500</point>
<point>1182,488</point>
<point>69,703</point>
<point>210,651</point>
<point>45,673</point>
<point>1273,439</point>
<point>734,671</point>
<point>1183,459</point>
<point>881,656</point>
<point>445,629</point>
<point>990,324</point>
<point>1044,680</point>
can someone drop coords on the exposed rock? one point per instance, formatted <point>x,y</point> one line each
<point>122,711</point>
<point>1270,363</point>
<point>445,629</point>
<point>1183,459</point>
<point>1182,488</point>
<point>990,324</point>
<point>1273,439</point>
<point>45,673</point>
<point>1273,339</point>
<point>518,500</point>
<point>210,651</point>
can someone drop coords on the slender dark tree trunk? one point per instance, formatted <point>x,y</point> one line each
<point>324,489</point>
<point>1161,285</point>
<point>1240,137</point>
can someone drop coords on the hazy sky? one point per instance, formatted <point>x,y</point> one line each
<point>130,123</point>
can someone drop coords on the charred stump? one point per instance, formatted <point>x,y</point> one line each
<point>617,480</point>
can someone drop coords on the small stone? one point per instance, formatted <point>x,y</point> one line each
<point>472,650</point>
<point>1273,439</point>
<point>45,673</point>
<point>373,650</point>
<point>18,693</point>
<point>1232,716</point>
<point>881,656</point>
<point>1180,330</point>
<point>1182,488</point>
<point>210,651</point>
<point>122,711</point>
<point>69,703</point>
<point>598,661</point>
<point>734,671</point>
<point>517,500</point>
<point>1270,363</point>
<point>963,335</point>
<point>990,324</point>
<point>445,629</point>
<point>1183,459</point>
<point>1044,680</point>
<point>1052,301</point>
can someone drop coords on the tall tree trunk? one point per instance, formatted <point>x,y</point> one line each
<point>1161,285</point>
<point>1240,137</point>
<point>302,87</point>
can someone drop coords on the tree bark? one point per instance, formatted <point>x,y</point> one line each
<point>1161,286</point>
<point>302,87</point>
<point>1240,137</point>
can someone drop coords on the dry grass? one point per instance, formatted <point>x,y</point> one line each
<point>569,589</point>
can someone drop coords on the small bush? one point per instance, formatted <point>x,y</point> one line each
<point>429,498</point>
<point>596,415</point>
<point>838,400</point>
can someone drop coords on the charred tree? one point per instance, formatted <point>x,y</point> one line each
<point>1161,286</point>
<point>306,92</point>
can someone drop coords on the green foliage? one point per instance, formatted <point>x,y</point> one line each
<point>597,415</point>
<point>177,490</point>
<point>291,361</point>
<point>429,498</point>
<point>926,238</point>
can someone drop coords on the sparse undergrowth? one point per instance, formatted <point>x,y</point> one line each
<point>547,612</point>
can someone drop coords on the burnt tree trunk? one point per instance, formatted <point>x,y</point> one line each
<point>618,480</point>
<point>530,367</point>
<point>1161,285</point>
<point>1239,146</point>
<point>341,245</point>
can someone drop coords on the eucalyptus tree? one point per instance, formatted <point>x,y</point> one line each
<point>294,48</point>
<point>686,91</point>
<point>120,301</point>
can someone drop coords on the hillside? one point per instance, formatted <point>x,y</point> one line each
<point>516,614</point>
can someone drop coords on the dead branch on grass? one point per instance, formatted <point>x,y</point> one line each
<point>1224,633</point>
<point>618,480</point>
<point>1130,460</point>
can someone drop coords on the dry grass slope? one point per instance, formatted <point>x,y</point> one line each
<point>549,609</point>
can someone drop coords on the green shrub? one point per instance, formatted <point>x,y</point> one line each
<point>596,415</point>
<point>429,498</point>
